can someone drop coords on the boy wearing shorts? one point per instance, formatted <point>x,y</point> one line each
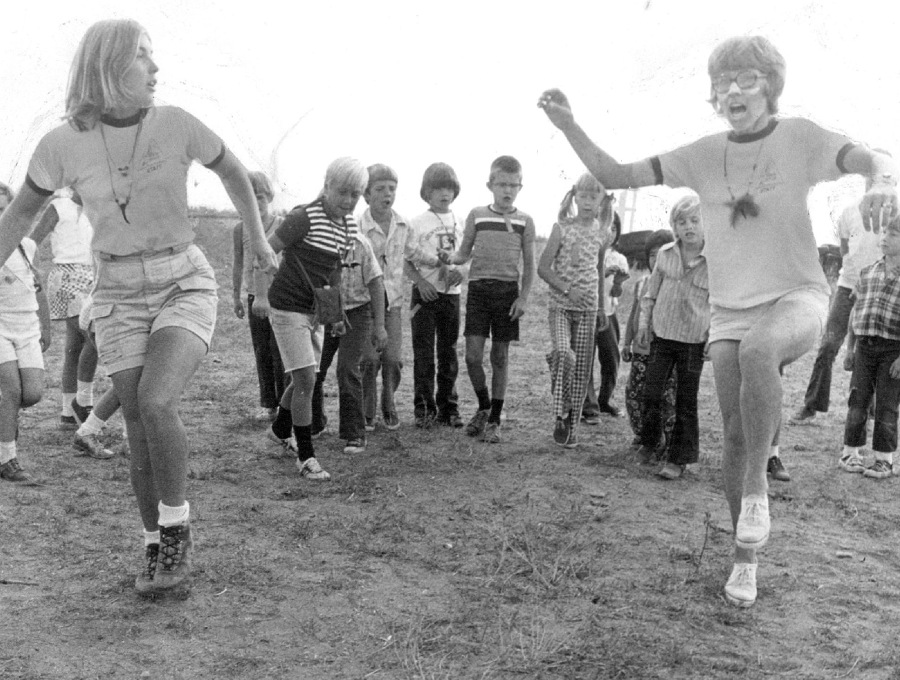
<point>497,238</point>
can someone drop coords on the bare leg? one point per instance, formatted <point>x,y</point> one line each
<point>475,362</point>
<point>499,369</point>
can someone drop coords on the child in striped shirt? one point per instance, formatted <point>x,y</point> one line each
<point>875,344</point>
<point>674,318</point>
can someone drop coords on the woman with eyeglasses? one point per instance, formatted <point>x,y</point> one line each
<point>155,294</point>
<point>768,294</point>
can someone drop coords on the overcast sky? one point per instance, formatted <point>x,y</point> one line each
<point>292,86</point>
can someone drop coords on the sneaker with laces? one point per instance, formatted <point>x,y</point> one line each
<point>851,463</point>
<point>288,446</point>
<point>80,412</point>
<point>741,587</point>
<point>391,421</point>
<point>90,445</point>
<point>561,431</point>
<point>775,468</point>
<point>878,470</point>
<point>753,524</point>
<point>12,471</point>
<point>476,426</point>
<point>357,445</point>
<point>311,469</point>
<point>590,418</point>
<point>671,471</point>
<point>67,423</point>
<point>805,414</point>
<point>491,434</point>
<point>173,561</point>
<point>143,584</point>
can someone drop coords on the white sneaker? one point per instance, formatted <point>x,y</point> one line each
<point>851,463</point>
<point>753,524</point>
<point>311,469</point>
<point>289,445</point>
<point>741,587</point>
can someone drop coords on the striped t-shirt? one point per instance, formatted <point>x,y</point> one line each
<point>318,243</point>
<point>497,248</point>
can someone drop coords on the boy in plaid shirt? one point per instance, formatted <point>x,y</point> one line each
<point>875,342</point>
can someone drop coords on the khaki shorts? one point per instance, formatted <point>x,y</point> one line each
<point>20,339</point>
<point>299,337</point>
<point>136,295</point>
<point>734,324</point>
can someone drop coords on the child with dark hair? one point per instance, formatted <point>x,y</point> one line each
<point>497,238</point>
<point>434,307</point>
<point>638,354</point>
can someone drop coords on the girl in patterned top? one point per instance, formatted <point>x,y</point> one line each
<point>572,265</point>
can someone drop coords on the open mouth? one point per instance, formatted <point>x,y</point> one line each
<point>737,109</point>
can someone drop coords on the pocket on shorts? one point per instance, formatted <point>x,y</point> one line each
<point>198,282</point>
<point>101,311</point>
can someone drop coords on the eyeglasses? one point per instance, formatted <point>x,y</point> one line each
<point>745,80</point>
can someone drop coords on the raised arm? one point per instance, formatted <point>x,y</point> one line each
<point>16,220</point>
<point>608,170</point>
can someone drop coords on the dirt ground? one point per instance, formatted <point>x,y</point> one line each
<point>435,556</point>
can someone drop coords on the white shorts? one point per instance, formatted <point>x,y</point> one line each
<point>733,324</point>
<point>20,339</point>
<point>299,337</point>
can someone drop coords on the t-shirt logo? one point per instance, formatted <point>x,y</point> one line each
<point>769,178</point>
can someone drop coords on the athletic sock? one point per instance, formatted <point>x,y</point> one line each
<point>7,451</point>
<point>774,451</point>
<point>496,408</point>
<point>303,435</point>
<point>170,516</point>
<point>484,399</point>
<point>151,537</point>
<point>67,398</point>
<point>85,394</point>
<point>91,425</point>
<point>282,424</point>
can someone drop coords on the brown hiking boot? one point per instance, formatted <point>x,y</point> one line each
<point>173,564</point>
<point>144,584</point>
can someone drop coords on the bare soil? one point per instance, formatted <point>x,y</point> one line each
<point>436,556</point>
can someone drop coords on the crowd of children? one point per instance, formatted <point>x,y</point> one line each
<point>319,283</point>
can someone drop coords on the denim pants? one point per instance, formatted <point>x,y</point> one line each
<point>871,378</point>
<point>687,359</point>
<point>269,369</point>
<point>435,327</point>
<point>390,365</point>
<point>607,343</point>
<point>818,392</point>
<point>350,349</point>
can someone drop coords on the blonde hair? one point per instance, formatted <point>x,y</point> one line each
<point>347,172</point>
<point>684,206</point>
<point>105,53</point>
<point>587,182</point>
<point>261,184</point>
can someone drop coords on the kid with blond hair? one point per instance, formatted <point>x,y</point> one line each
<point>572,264</point>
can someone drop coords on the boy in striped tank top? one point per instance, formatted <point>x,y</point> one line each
<point>497,238</point>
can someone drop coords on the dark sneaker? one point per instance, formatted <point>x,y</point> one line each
<point>561,431</point>
<point>370,425</point>
<point>80,412</point>
<point>426,422</point>
<point>805,414</point>
<point>357,445</point>
<point>451,420</point>
<point>90,445</point>
<point>880,469</point>
<point>610,410</point>
<point>143,584</point>
<point>775,468</point>
<point>311,469</point>
<point>590,418</point>
<point>12,471</point>
<point>491,434</point>
<point>173,563</point>
<point>391,421</point>
<point>67,423</point>
<point>476,426</point>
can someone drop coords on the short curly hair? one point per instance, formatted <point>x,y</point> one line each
<point>750,51</point>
